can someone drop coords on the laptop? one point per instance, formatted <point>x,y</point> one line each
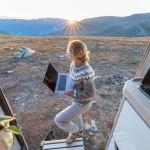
<point>57,82</point>
<point>144,87</point>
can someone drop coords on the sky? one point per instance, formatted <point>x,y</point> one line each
<point>71,9</point>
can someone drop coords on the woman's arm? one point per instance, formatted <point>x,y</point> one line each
<point>87,92</point>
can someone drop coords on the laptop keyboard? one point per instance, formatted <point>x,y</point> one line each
<point>62,83</point>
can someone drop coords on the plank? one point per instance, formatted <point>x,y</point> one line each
<point>68,148</point>
<point>60,141</point>
<point>62,145</point>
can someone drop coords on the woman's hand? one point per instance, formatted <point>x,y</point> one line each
<point>68,93</point>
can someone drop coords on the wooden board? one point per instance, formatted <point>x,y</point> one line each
<point>61,145</point>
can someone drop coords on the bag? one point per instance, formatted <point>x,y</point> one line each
<point>49,137</point>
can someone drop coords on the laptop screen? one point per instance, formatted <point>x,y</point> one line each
<point>50,78</point>
<point>146,78</point>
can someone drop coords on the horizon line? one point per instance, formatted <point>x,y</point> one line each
<point>32,18</point>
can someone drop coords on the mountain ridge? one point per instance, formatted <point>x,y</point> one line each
<point>135,25</point>
<point>3,32</point>
<point>41,26</point>
<point>129,26</point>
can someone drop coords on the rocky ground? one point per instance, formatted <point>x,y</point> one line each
<point>114,60</point>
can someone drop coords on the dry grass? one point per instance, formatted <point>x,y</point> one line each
<point>36,106</point>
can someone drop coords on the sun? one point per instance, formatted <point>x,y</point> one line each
<point>72,25</point>
<point>71,20</point>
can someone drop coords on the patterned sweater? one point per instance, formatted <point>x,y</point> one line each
<point>82,76</point>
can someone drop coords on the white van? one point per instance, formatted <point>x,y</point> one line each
<point>131,129</point>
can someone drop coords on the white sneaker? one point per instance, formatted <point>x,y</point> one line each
<point>81,133</point>
<point>72,137</point>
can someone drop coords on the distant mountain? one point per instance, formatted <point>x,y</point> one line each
<point>130,26</point>
<point>42,26</point>
<point>2,32</point>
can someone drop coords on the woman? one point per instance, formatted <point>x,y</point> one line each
<point>82,76</point>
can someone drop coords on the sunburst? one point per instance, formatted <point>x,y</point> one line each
<point>72,26</point>
<point>71,20</point>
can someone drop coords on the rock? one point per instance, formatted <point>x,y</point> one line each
<point>56,44</point>
<point>23,104</point>
<point>115,108</point>
<point>125,78</point>
<point>4,42</point>
<point>45,63</point>
<point>6,47</point>
<point>16,99</point>
<point>38,53</point>
<point>9,72</point>
<point>97,45</point>
<point>96,78</point>
<point>93,102</point>
<point>66,99</point>
<point>36,95</point>
<point>24,52</point>
<point>90,133</point>
<point>117,83</point>
<point>62,57</point>
<point>87,138</point>
<point>65,37</point>
<point>95,147</point>
<point>93,126</point>
<point>122,83</point>
<point>87,126</point>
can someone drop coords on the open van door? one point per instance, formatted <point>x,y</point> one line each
<point>145,64</point>
<point>5,110</point>
<point>131,128</point>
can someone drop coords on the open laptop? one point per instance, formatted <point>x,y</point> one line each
<point>57,82</point>
<point>144,87</point>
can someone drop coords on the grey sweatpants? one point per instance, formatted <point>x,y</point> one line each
<point>72,112</point>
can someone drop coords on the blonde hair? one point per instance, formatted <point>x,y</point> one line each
<point>78,49</point>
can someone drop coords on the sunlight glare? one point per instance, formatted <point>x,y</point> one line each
<point>71,20</point>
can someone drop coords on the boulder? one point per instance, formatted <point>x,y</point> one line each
<point>24,52</point>
<point>9,72</point>
<point>93,126</point>
<point>87,126</point>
